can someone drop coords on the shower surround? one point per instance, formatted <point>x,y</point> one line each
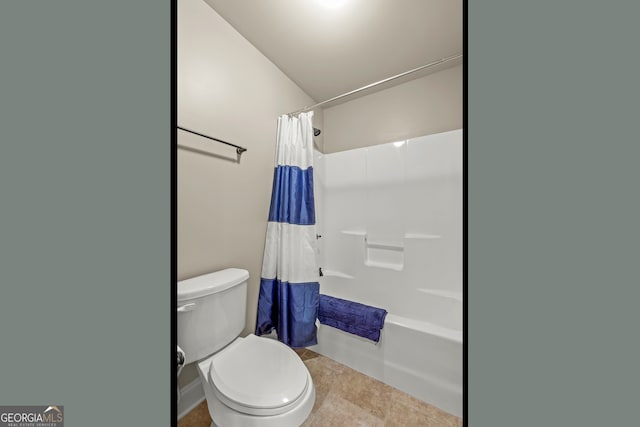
<point>391,222</point>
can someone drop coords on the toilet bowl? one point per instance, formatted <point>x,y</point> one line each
<point>257,382</point>
<point>250,381</point>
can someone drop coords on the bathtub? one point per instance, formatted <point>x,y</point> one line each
<point>390,220</point>
<point>421,358</point>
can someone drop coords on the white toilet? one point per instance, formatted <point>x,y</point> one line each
<point>249,381</point>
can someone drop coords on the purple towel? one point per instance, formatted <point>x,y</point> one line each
<point>352,317</point>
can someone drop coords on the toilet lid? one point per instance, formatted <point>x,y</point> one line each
<point>259,373</point>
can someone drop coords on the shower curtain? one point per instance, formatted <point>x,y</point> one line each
<point>289,287</point>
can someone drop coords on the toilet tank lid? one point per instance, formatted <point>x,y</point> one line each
<point>210,283</point>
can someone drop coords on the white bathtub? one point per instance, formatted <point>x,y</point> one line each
<point>420,358</point>
<point>390,217</point>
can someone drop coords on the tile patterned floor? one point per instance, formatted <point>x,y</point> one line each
<point>345,397</point>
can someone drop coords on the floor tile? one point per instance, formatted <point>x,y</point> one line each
<point>326,363</point>
<point>346,397</point>
<point>323,379</point>
<point>300,351</point>
<point>198,417</point>
<point>309,354</point>
<point>337,412</point>
<point>406,410</point>
<point>367,393</point>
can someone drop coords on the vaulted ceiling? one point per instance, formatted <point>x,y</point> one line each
<point>328,47</point>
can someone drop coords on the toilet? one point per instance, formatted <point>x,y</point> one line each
<point>250,381</point>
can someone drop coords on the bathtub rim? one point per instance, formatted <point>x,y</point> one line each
<point>452,335</point>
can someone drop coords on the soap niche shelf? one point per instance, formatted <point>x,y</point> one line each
<point>389,255</point>
<point>386,254</point>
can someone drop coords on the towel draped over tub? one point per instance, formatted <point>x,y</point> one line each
<point>359,319</point>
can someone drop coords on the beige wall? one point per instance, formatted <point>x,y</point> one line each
<point>423,106</point>
<point>226,89</point>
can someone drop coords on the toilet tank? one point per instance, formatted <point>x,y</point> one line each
<point>211,311</point>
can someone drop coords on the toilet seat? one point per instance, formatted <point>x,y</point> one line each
<point>258,376</point>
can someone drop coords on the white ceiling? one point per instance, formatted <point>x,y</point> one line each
<point>329,47</point>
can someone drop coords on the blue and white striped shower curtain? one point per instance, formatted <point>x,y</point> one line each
<point>289,288</point>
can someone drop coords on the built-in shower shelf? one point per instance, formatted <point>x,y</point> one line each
<point>390,246</point>
<point>335,273</point>
<point>443,293</point>
<point>354,232</point>
<point>413,236</point>
<point>387,265</point>
<point>421,236</point>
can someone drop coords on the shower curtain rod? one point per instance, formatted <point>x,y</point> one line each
<point>239,149</point>
<point>388,79</point>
